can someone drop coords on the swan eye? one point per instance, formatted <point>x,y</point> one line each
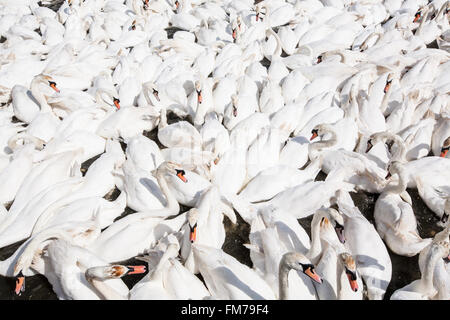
<point>351,274</point>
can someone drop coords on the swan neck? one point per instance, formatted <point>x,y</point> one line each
<point>401,184</point>
<point>283,281</point>
<point>315,147</point>
<point>426,280</point>
<point>39,96</point>
<point>163,119</point>
<point>384,102</point>
<point>172,203</point>
<point>99,98</point>
<point>400,153</point>
<point>316,246</point>
<point>422,23</point>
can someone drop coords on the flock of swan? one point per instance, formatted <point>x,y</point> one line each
<point>267,94</point>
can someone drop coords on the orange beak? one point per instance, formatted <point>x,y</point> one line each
<point>234,34</point>
<point>177,4</point>
<point>216,160</point>
<point>199,97</point>
<point>310,273</point>
<point>444,152</point>
<point>314,135</point>
<point>136,269</point>
<point>193,235</point>
<point>20,285</point>
<point>353,283</point>
<point>387,86</point>
<point>117,103</point>
<point>183,178</point>
<point>257,16</point>
<point>416,17</point>
<point>53,86</point>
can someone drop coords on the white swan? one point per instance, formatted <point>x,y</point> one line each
<point>363,241</point>
<point>227,278</point>
<point>168,279</point>
<point>395,219</point>
<point>134,233</point>
<point>423,289</point>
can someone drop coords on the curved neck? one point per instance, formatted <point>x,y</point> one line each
<point>400,153</point>
<point>39,96</point>
<point>172,203</point>
<point>400,186</point>
<point>335,52</point>
<point>352,111</point>
<point>163,119</point>
<point>426,280</point>
<point>316,246</point>
<point>283,281</point>
<point>441,10</point>
<point>277,52</point>
<point>315,147</point>
<point>384,102</point>
<point>99,97</point>
<point>422,23</point>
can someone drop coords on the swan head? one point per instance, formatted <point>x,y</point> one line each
<point>395,167</point>
<point>112,272</point>
<point>419,13</point>
<point>172,168</point>
<point>388,84</point>
<point>198,88</point>
<point>234,104</point>
<point>151,86</point>
<point>350,269</point>
<point>192,218</point>
<point>445,148</point>
<point>46,80</point>
<point>99,97</point>
<point>258,11</point>
<point>297,261</point>
<point>441,249</point>
<point>331,219</point>
<point>320,130</point>
<point>382,136</point>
